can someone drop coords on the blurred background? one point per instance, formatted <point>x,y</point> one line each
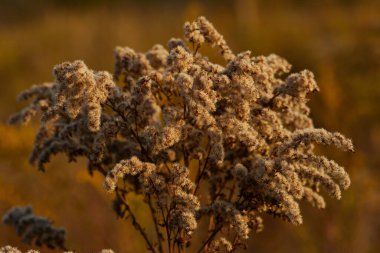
<point>338,40</point>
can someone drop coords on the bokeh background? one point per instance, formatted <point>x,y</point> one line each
<point>338,40</point>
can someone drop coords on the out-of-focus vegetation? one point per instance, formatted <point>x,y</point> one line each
<point>338,40</point>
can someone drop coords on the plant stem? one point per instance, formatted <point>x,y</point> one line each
<point>210,238</point>
<point>201,172</point>
<point>136,224</point>
<point>159,236</point>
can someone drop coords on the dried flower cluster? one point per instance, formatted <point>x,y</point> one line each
<point>34,229</point>
<point>10,249</point>
<point>199,140</point>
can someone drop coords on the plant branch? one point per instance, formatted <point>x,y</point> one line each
<point>201,172</point>
<point>210,238</point>
<point>135,223</point>
<point>159,235</point>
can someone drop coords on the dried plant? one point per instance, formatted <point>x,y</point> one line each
<point>34,229</point>
<point>199,140</point>
<point>10,249</point>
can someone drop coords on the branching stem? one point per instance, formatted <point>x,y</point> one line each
<point>135,223</point>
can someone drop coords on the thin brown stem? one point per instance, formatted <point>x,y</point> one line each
<point>155,221</point>
<point>196,49</point>
<point>210,238</point>
<point>135,135</point>
<point>219,191</point>
<point>185,156</point>
<point>168,232</point>
<point>144,152</point>
<point>135,223</point>
<point>177,240</point>
<point>235,243</point>
<point>201,172</point>
<point>232,191</point>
